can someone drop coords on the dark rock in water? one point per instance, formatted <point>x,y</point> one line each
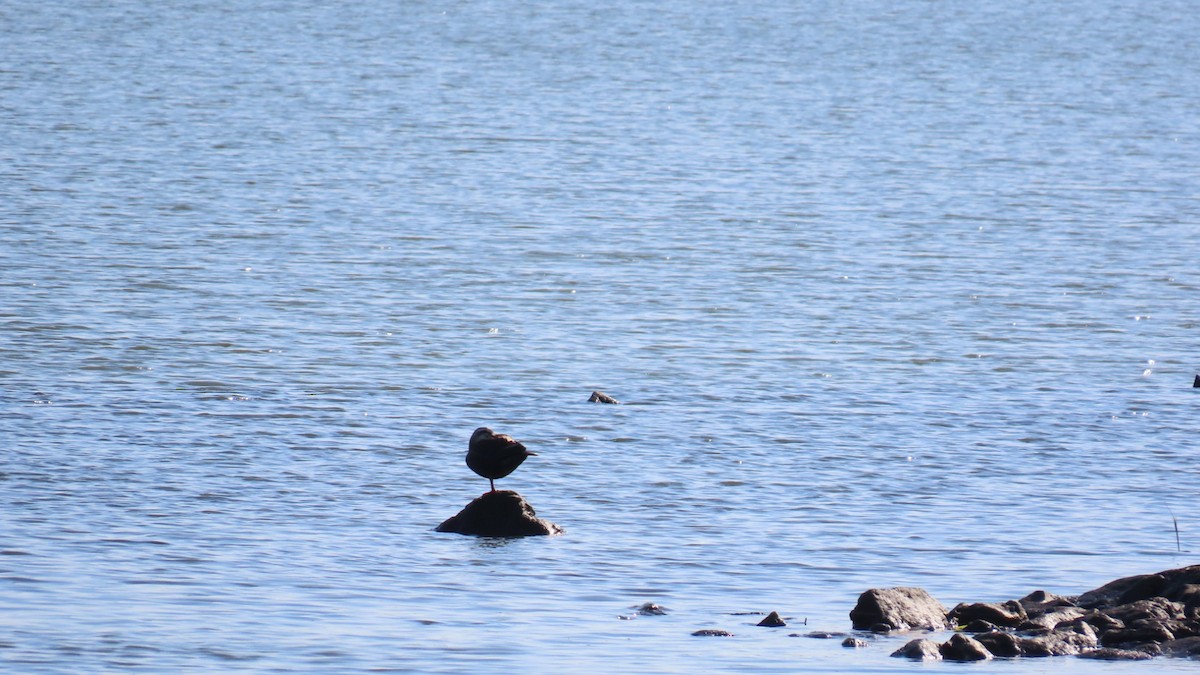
<point>601,397</point>
<point>1039,602</point>
<point>1008,614</point>
<point>503,513</point>
<point>651,609</point>
<point>710,632</point>
<point>1154,609</point>
<point>823,635</point>
<point>1060,642</point>
<point>854,643</point>
<point>898,609</point>
<point>1052,619</point>
<point>773,620</point>
<point>1001,644</point>
<point>962,648</point>
<point>1167,584</point>
<point>919,650</point>
<point>1196,382</point>
<point>1110,654</point>
<point>980,626</point>
<point>1189,647</point>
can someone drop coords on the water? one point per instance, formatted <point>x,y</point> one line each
<point>893,293</point>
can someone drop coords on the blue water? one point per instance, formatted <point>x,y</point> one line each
<point>893,293</point>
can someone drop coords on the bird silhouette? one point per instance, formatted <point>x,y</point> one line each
<point>493,455</point>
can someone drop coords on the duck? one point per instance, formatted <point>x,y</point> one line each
<point>494,455</point>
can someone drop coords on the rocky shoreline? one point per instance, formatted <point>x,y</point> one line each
<point>1132,618</point>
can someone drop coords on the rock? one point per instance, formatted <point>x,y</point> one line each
<point>1168,584</point>
<point>1146,632</point>
<point>650,609</point>
<point>1196,382</point>
<point>919,650</point>
<point>898,609</point>
<point>1001,644</point>
<point>1186,594</point>
<point>503,513</point>
<point>1054,618</point>
<point>1189,646</point>
<point>854,643</point>
<point>1061,642</point>
<point>1158,609</point>
<point>1008,614</point>
<point>980,626</point>
<point>710,632</point>
<point>963,648</point>
<point>773,620</point>
<point>1041,602</point>
<point>601,397</point>
<point>823,635</point>
<point>1110,654</point>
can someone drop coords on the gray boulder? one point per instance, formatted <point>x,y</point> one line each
<point>963,648</point>
<point>1008,614</point>
<point>503,513</point>
<point>919,650</point>
<point>903,608</point>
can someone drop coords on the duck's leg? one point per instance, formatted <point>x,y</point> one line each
<point>493,482</point>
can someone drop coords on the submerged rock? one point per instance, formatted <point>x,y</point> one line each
<point>650,609</point>
<point>903,608</point>
<point>712,632</point>
<point>503,513</point>
<point>919,650</point>
<point>773,620</point>
<point>601,397</point>
<point>854,643</point>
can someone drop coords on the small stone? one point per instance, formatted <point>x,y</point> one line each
<point>710,632</point>
<point>1196,382</point>
<point>823,635</point>
<point>651,609</point>
<point>601,397</point>
<point>773,620</point>
<point>854,643</point>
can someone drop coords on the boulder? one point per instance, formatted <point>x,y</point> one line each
<point>601,397</point>
<point>1062,642</point>
<point>1008,614</point>
<point>773,620</point>
<point>919,650</point>
<point>1167,584</point>
<point>1053,618</point>
<point>1110,654</point>
<point>503,513</point>
<point>903,608</point>
<point>854,643</point>
<point>1001,644</point>
<point>1041,602</point>
<point>963,648</point>
<point>1154,609</point>
<point>1186,647</point>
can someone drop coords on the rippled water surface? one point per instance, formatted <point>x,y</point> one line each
<point>893,293</point>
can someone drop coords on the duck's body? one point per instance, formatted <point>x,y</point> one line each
<point>493,455</point>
